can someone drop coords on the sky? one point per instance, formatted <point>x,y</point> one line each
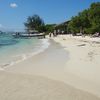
<point>13,13</point>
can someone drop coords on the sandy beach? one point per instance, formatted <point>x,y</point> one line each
<point>29,87</point>
<point>68,69</point>
<point>84,53</point>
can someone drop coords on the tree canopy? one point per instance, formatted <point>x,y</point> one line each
<point>87,21</point>
<point>34,23</point>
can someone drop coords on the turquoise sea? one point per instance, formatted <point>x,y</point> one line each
<point>14,50</point>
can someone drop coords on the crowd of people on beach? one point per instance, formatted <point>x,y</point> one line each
<point>55,33</point>
<point>97,34</point>
<point>59,32</point>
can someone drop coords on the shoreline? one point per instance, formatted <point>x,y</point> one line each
<point>23,57</point>
<point>57,63</point>
<point>83,65</point>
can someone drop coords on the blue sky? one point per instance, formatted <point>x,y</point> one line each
<point>13,13</point>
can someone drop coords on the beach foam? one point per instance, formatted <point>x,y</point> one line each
<point>44,43</point>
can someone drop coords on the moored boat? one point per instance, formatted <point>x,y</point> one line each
<point>18,35</point>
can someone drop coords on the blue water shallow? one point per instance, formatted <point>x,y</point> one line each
<point>8,42</point>
<point>15,49</point>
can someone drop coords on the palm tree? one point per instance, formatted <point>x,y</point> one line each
<point>33,23</point>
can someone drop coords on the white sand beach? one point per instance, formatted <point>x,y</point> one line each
<point>29,87</point>
<point>84,64</point>
<point>68,69</point>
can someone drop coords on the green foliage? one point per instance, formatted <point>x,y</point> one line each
<point>87,21</point>
<point>49,28</point>
<point>34,23</point>
<point>63,26</point>
<point>75,24</point>
<point>42,28</point>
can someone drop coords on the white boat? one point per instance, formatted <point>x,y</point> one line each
<point>18,35</point>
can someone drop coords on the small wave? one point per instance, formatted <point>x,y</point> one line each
<point>22,57</point>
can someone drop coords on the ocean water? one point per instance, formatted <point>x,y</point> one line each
<point>14,50</point>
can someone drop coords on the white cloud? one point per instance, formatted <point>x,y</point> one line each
<point>13,5</point>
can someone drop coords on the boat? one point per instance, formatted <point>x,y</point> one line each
<point>26,35</point>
